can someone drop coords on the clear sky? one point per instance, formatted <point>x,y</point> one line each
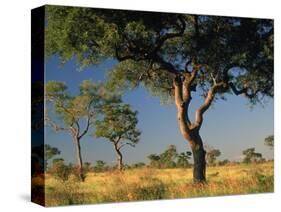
<point>230,126</point>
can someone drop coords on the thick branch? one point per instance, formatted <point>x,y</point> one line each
<point>189,78</point>
<point>182,107</point>
<point>196,68</point>
<point>137,54</point>
<point>186,87</point>
<point>178,91</point>
<point>207,102</point>
<point>161,40</point>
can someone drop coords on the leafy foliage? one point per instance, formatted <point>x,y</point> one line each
<point>170,159</point>
<point>250,155</point>
<point>57,160</point>
<point>223,162</point>
<point>118,123</point>
<point>100,166</point>
<point>152,47</point>
<point>183,159</point>
<point>87,167</point>
<point>212,155</point>
<point>77,112</point>
<point>60,171</point>
<point>50,152</point>
<point>138,165</point>
<point>269,141</point>
<point>71,109</point>
<point>170,55</point>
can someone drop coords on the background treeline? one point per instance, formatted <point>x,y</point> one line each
<point>168,159</point>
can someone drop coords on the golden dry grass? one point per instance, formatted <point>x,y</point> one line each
<point>150,184</point>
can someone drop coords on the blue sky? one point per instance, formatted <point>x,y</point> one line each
<point>230,126</point>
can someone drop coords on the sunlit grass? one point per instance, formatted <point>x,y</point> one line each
<point>150,184</point>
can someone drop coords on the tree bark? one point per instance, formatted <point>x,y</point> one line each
<point>79,160</point>
<point>191,131</point>
<point>199,160</point>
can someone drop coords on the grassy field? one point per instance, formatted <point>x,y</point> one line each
<point>150,184</point>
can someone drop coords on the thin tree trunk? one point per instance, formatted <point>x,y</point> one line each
<point>119,158</point>
<point>79,160</point>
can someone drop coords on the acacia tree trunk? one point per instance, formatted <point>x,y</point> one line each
<point>199,155</point>
<point>119,158</point>
<point>79,160</point>
<point>190,131</point>
<point>199,160</point>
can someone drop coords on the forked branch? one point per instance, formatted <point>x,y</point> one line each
<point>207,103</point>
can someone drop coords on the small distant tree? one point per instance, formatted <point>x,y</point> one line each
<point>50,152</point>
<point>75,110</point>
<point>57,160</point>
<point>211,155</point>
<point>99,166</point>
<point>165,160</point>
<point>223,162</point>
<point>183,159</point>
<point>118,123</point>
<point>154,160</point>
<point>269,141</point>
<point>59,170</point>
<point>87,166</point>
<point>251,156</point>
<point>138,165</point>
<point>168,156</point>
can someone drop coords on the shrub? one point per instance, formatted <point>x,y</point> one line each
<point>150,189</point>
<point>76,173</point>
<point>60,171</point>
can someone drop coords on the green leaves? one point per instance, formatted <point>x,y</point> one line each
<point>149,45</point>
<point>71,109</point>
<point>118,123</point>
<point>67,35</point>
<point>56,90</point>
<point>212,155</point>
<point>167,158</point>
<point>50,151</point>
<point>269,141</point>
<point>250,155</point>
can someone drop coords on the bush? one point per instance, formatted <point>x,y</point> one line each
<point>150,189</point>
<point>66,193</point>
<point>224,162</point>
<point>100,166</point>
<point>60,171</point>
<point>76,173</point>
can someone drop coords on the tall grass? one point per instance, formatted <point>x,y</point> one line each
<point>152,184</point>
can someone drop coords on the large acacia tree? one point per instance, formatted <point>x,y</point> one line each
<point>171,55</point>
